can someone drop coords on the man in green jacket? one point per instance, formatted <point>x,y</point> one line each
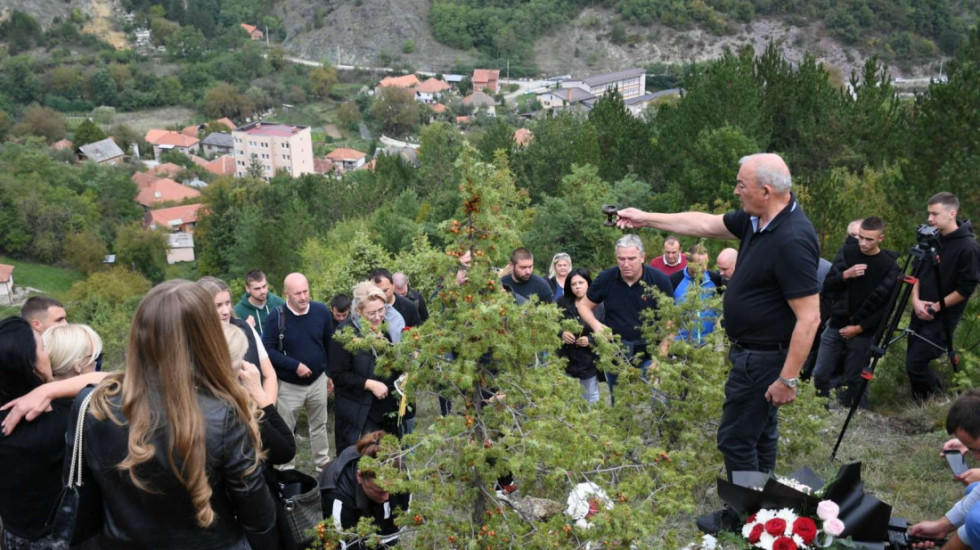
<point>257,302</point>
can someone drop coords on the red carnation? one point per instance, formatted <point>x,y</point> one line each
<point>784,543</point>
<point>776,526</point>
<point>756,533</point>
<point>806,529</point>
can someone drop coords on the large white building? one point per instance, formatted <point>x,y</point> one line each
<point>275,147</point>
<point>630,83</point>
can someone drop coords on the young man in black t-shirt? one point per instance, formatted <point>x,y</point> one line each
<point>860,283</point>
<point>522,279</point>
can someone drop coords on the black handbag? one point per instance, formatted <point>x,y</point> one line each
<point>299,509</point>
<point>78,516</point>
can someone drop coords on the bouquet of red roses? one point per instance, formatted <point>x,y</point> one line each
<point>786,530</point>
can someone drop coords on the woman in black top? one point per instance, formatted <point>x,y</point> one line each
<point>31,453</point>
<point>363,399</point>
<point>578,347</point>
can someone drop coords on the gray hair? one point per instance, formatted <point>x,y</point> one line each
<point>769,172</point>
<point>630,241</point>
<point>557,258</point>
<point>399,279</point>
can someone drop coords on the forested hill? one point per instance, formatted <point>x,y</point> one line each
<point>576,36</point>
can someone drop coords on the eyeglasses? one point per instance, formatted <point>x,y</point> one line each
<point>376,313</point>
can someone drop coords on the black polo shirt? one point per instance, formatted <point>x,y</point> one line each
<point>776,264</point>
<point>623,303</point>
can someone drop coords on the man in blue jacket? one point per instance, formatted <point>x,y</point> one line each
<point>297,336</point>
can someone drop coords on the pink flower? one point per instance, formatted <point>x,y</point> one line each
<point>833,527</point>
<point>827,509</point>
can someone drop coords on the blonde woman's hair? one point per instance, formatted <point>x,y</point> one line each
<point>237,344</point>
<point>176,351</point>
<point>366,291</point>
<point>557,258</point>
<point>70,348</point>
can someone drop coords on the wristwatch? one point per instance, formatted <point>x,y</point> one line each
<point>790,382</point>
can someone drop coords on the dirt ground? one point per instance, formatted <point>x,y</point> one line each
<point>163,117</point>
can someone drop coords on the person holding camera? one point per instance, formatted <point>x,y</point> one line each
<point>962,421</point>
<point>959,272</point>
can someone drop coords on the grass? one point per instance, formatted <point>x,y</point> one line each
<point>55,281</point>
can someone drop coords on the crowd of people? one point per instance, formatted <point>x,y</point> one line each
<point>184,442</point>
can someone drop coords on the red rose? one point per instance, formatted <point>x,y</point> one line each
<point>806,529</point>
<point>776,526</point>
<point>750,520</point>
<point>756,533</point>
<point>784,543</point>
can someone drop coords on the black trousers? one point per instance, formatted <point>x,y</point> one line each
<point>927,344</point>
<point>748,433</point>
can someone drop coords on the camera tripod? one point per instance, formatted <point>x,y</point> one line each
<point>921,256</point>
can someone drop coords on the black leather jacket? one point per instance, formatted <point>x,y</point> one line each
<point>165,517</point>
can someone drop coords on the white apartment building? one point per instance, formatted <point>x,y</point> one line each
<point>630,83</point>
<point>275,147</point>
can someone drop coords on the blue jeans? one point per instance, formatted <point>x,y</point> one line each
<point>970,531</point>
<point>748,433</point>
<point>590,388</point>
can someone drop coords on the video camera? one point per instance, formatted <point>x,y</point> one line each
<point>927,236</point>
<point>899,537</point>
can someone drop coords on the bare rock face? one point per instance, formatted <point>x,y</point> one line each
<point>366,32</point>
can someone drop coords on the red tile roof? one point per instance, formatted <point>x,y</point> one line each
<point>432,86</point>
<point>197,160</point>
<point>62,144</point>
<point>485,75</point>
<point>5,272</point>
<point>343,153</point>
<point>407,81</point>
<point>226,121</point>
<point>186,213</point>
<point>176,139</point>
<point>438,108</point>
<point>190,131</point>
<point>523,136</point>
<point>144,178</point>
<point>270,129</point>
<point>222,166</point>
<point>164,190</point>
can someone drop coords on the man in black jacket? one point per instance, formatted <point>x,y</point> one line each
<point>859,283</point>
<point>959,272</point>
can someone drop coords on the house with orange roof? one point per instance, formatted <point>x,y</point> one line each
<point>523,136</point>
<point>221,166</point>
<point>347,159</point>
<point>407,81</point>
<point>274,147</point>
<point>163,190</point>
<point>486,80</point>
<point>253,32</point>
<point>191,131</point>
<point>431,90</point>
<point>175,218</point>
<point>164,140</point>
<point>438,108</point>
<point>62,144</point>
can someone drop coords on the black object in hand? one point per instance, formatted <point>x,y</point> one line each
<point>610,211</point>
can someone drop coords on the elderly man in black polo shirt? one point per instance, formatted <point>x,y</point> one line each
<point>771,308</point>
<point>623,298</point>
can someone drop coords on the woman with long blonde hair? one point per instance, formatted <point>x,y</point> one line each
<point>173,441</point>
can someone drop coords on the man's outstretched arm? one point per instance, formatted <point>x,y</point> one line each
<point>695,224</point>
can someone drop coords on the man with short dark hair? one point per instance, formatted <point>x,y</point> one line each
<point>672,260</point>
<point>381,278</point>
<point>771,309</point>
<point>959,272</point>
<point>622,291</point>
<point>695,274</point>
<point>297,336</point>
<point>963,519</point>
<point>43,312</point>
<point>402,288</point>
<point>340,308</point>
<point>859,284</point>
<point>257,302</point>
<point>522,280</point>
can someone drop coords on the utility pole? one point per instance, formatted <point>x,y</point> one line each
<point>508,68</point>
